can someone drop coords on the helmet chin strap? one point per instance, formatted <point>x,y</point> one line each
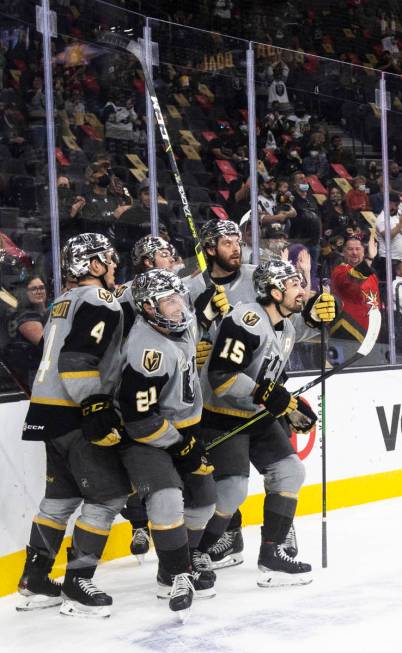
<point>101,277</point>
<point>278,306</point>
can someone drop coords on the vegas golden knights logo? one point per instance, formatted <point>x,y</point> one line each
<point>119,291</point>
<point>105,295</point>
<point>151,360</point>
<point>251,318</point>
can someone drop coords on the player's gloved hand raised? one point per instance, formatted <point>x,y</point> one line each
<point>324,308</point>
<point>190,456</point>
<point>202,352</point>
<point>100,422</point>
<point>303,418</point>
<point>276,399</point>
<point>212,303</point>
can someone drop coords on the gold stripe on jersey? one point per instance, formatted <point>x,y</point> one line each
<point>225,386</point>
<point>349,328</point>
<point>187,422</point>
<point>49,523</point>
<point>50,401</point>
<point>165,527</point>
<point>229,411</point>
<point>79,375</point>
<point>91,529</point>
<point>156,435</point>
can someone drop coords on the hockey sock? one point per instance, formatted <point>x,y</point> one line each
<point>235,522</point>
<point>88,544</point>
<point>46,536</point>
<point>194,538</point>
<point>216,526</point>
<point>278,516</point>
<point>172,548</point>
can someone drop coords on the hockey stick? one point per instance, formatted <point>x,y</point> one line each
<point>323,356</point>
<point>122,42</point>
<point>365,348</point>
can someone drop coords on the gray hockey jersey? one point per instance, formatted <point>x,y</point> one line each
<point>81,357</point>
<point>124,296</point>
<point>247,350</point>
<point>159,391</point>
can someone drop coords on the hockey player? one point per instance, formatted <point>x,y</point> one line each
<point>161,403</point>
<point>252,346</point>
<point>71,410</point>
<point>148,252</point>
<point>222,243</point>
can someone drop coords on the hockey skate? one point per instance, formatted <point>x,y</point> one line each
<point>37,591</point>
<point>202,584</point>
<point>201,563</point>
<point>290,544</point>
<point>279,569</point>
<point>181,596</point>
<point>81,597</point>
<point>140,543</point>
<point>227,551</point>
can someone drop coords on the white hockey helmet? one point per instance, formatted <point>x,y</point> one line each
<point>273,274</point>
<point>153,285</point>
<point>147,247</point>
<point>212,230</point>
<point>78,251</point>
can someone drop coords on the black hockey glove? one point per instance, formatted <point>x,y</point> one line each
<point>212,303</point>
<point>303,418</point>
<point>190,456</point>
<point>100,422</point>
<point>277,400</point>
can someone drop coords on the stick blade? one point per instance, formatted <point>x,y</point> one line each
<point>373,330</point>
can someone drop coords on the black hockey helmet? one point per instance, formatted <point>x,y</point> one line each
<point>153,285</point>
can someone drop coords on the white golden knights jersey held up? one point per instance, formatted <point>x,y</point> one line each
<point>247,350</point>
<point>81,357</point>
<point>159,392</point>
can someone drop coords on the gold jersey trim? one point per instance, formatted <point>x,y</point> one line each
<point>229,411</point>
<point>156,434</point>
<point>91,529</point>
<point>49,401</point>
<point>79,375</point>
<point>166,527</point>
<point>225,386</point>
<point>187,422</point>
<point>49,523</point>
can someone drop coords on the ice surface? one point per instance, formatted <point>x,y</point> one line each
<point>355,605</point>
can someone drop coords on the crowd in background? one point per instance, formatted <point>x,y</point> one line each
<point>318,135</point>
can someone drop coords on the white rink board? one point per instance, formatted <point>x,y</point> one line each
<point>355,446</point>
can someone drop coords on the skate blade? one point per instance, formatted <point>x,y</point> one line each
<point>75,609</point>
<point>37,602</point>
<point>282,579</point>
<point>163,592</point>
<point>183,615</point>
<point>140,557</point>
<point>228,561</point>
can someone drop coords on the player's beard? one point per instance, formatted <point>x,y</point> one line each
<point>229,265</point>
<point>296,307</point>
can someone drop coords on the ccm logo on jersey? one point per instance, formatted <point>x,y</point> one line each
<point>61,309</point>
<point>105,295</point>
<point>250,318</point>
<point>33,427</point>
<point>151,360</point>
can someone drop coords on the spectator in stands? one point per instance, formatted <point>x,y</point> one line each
<point>395,223</point>
<point>301,259</point>
<point>290,160</point>
<point>13,129</point>
<point>377,199</point>
<point>395,177</point>
<point>26,326</point>
<point>339,154</point>
<point>336,219</point>
<point>357,198</point>
<point>300,119</point>
<point>120,118</point>
<point>372,178</point>
<point>36,105</point>
<point>355,284</point>
<point>316,163</point>
<point>306,226</point>
<point>70,207</point>
<point>100,208</point>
